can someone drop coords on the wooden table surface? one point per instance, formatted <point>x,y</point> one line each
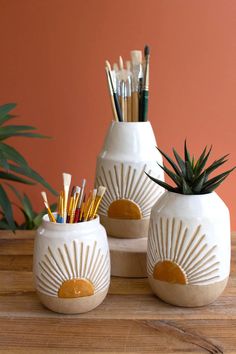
<point>130,320</point>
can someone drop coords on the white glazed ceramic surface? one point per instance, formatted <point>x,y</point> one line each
<point>189,248</point>
<point>71,265</point>
<point>129,151</point>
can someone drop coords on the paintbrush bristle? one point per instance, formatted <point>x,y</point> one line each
<point>77,189</point>
<point>108,65</point>
<point>44,195</point>
<point>136,57</point>
<point>66,179</point>
<point>94,193</point>
<point>121,63</point>
<point>146,50</point>
<point>115,67</point>
<point>83,183</point>
<point>101,191</point>
<point>128,65</point>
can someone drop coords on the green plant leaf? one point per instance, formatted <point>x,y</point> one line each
<point>3,161</point>
<point>13,155</point>
<point>180,162</point>
<point>28,207</point>
<point>189,171</point>
<point>217,178</point>
<point>6,207</point>
<point>172,175</point>
<point>215,165</point>
<point>26,135</point>
<point>11,177</point>
<point>186,189</point>
<point>162,184</point>
<point>5,109</point>
<point>197,186</point>
<point>213,186</point>
<point>30,173</point>
<point>201,162</point>
<point>171,162</point>
<point>11,129</point>
<point>186,153</point>
<point>6,118</point>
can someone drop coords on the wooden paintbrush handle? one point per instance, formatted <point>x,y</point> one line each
<point>135,106</point>
<point>129,109</point>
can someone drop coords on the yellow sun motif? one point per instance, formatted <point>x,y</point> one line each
<point>175,256</point>
<point>130,194</point>
<point>74,270</point>
<point>76,288</point>
<point>124,209</point>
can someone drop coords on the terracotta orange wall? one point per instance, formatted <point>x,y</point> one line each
<point>52,65</point>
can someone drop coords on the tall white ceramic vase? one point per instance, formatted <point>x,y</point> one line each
<point>71,265</point>
<point>189,248</point>
<point>128,151</point>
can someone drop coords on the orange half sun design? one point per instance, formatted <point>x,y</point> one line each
<point>176,255</point>
<point>74,270</point>
<point>130,193</point>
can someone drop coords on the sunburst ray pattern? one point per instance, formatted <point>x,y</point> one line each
<point>132,186</point>
<point>176,256</point>
<point>84,264</point>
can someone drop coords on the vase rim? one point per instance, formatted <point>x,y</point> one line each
<point>67,226</point>
<point>127,123</point>
<point>192,195</point>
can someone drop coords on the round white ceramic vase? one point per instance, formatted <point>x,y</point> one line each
<point>188,257</point>
<point>71,265</point>
<point>128,152</point>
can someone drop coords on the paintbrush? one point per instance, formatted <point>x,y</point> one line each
<point>70,205</point>
<point>78,207</point>
<point>137,77</point>
<point>145,89</point>
<point>66,184</point>
<point>74,203</point>
<point>60,209</point>
<point>82,209</point>
<point>50,214</point>
<point>114,92</point>
<point>113,106</point>
<point>90,212</point>
<point>100,194</point>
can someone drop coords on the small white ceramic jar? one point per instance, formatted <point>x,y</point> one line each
<point>188,257</point>
<point>128,152</point>
<point>71,265</point>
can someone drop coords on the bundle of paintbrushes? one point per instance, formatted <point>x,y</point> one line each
<point>129,87</point>
<point>74,207</point>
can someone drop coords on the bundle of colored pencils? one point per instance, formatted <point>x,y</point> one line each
<point>75,208</point>
<point>129,87</point>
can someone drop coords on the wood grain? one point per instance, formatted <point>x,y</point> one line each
<point>130,320</point>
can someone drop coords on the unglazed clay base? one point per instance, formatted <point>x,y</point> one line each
<point>128,257</point>
<point>187,295</point>
<point>124,228</point>
<point>74,305</point>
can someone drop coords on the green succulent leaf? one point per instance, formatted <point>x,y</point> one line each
<point>185,187</point>
<point>217,178</point>
<point>190,175</point>
<point>197,186</point>
<point>162,184</point>
<point>172,175</point>
<point>180,162</point>
<point>171,162</point>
